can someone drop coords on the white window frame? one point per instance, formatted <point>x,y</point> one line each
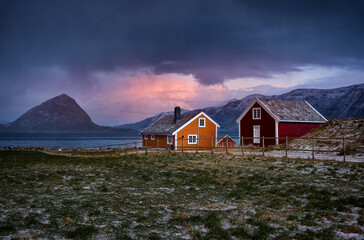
<point>204,122</point>
<point>257,110</point>
<point>145,137</point>
<point>169,138</point>
<point>152,137</point>
<point>192,142</point>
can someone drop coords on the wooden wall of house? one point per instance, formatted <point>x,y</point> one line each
<point>266,123</point>
<point>159,141</point>
<point>204,135</point>
<point>294,129</point>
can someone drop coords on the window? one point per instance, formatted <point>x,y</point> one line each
<point>202,122</point>
<point>146,137</point>
<point>169,139</point>
<point>152,137</point>
<point>192,138</point>
<point>256,113</point>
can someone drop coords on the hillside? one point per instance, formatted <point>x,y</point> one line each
<point>338,103</point>
<point>335,130</point>
<point>61,113</point>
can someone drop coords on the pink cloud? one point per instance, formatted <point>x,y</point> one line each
<point>133,98</point>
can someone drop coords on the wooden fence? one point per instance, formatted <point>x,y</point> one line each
<point>287,147</point>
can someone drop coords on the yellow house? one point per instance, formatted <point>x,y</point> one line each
<point>189,130</point>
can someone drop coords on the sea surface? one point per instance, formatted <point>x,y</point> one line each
<point>69,140</point>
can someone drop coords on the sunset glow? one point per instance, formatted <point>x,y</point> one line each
<point>147,94</point>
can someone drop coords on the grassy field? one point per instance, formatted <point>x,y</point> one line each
<point>178,196</point>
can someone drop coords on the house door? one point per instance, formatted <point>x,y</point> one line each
<point>256,134</point>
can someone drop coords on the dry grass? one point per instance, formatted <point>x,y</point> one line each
<point>351,129</point>
<point>177,196</point>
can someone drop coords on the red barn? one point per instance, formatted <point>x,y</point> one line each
<point>276,118</point>
<point>222,141</point>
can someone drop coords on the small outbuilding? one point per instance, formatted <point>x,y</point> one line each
<point>225,141</point>
<point>190,130</point>
<point>277,119</point>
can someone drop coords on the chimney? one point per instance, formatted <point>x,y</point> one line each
<point>177,114</point>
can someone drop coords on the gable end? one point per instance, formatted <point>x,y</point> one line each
<point>194,118</point>
<point>256,100</point>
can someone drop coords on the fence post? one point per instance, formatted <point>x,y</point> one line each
<point>146,146</point>
<point>182,143</point>
<point>157,143</point>
<point>286,146</point>
<point>263,146</point>
<point>197,139</point>
<point>242,145</point>
<point>313,148</point>
<point>135,145</point>
<point>226,145</point>
<point>344,148</point>
<point>212,145</point>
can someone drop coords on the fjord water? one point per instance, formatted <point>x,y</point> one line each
<point>67,140</point>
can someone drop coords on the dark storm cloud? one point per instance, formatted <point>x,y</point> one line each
<point>213,40</point>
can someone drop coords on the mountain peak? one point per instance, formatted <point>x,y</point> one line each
<point>64,96</point>
<point>61,113</point>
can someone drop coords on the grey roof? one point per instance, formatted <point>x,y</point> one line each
<point>166,125</point>
<point>293,111</point>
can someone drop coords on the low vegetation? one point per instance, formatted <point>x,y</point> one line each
<point>330,136</point>
<point>178,196</point>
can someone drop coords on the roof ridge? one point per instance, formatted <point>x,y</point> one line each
<point>282,100</point>
<point>166,126</point>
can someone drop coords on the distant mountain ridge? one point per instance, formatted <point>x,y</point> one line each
<point>146,122</point>
<point>61,113</point>
<point>337,103</point>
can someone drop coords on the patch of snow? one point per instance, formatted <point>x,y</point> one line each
<point>349,235</point>
<point>225,224</point>
<point>168,190</point>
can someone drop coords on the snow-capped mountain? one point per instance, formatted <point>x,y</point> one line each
<point>148,121</point>
<point>335,103</point>
<point>225,102</point>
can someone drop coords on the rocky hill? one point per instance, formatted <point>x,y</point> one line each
<point>61,113</point>
<point>329,136</point>
<point>335,103</point>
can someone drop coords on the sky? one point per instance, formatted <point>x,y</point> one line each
<point>123,61</point>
